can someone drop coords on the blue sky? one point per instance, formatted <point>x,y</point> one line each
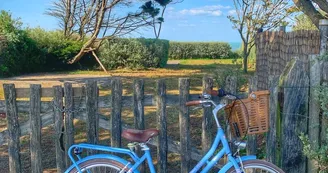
<point>191,20</point>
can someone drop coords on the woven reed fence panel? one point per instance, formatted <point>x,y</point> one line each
<point>274,49</point>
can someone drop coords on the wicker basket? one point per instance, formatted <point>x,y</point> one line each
<point>249,116</point>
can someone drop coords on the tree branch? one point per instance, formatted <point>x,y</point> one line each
<point>307,7</point>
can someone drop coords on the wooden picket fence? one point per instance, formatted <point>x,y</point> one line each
<point>69,103</point>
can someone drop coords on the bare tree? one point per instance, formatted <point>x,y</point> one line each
<point>314,9</point>
<point>93,21</point>
<point>254,15</point>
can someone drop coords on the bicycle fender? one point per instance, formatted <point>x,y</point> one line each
<point>102,156</point>
<point>227,166</point>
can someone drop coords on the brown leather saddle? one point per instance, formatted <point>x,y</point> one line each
<point>141,136</point>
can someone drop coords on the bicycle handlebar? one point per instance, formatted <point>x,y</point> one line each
<point>194,102</point>
<point>220,93</point>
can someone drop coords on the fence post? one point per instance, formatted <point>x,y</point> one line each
<point>35,125</point>
<point>138,104</point>
<point>314,108</point>
<point>58,118</point>
<point>207,123</point>
<point>91,99</point>
<point>271,142</point>
<point>323,28</point>
<point>69,117</point>
<point>230,87</point>
<point>13,129</point>
<point>184,120</point>
<point>162,147</point>
<point>231,84</point>
<point>252,139</point>
<point>116,112</point>
<point>138,111</point>
<point>294,81</point>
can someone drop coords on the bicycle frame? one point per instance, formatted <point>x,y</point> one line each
<point>220,138</point>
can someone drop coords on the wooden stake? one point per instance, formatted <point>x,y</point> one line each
<point>96,57</point>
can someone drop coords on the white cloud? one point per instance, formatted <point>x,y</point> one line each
<point>214,10</point>
<point>232,12</point>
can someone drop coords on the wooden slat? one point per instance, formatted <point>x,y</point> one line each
<point>138,112</point>
<point>324,40</point>
<point>13,129</point>
<point>58,117</point>
<point>272,141</point>
<point>252,139</point>
<point>314,109</point>
<point>45,92</point>
<point>116,106</point>
<point>24,106</point>
<point>323,49</point>
<point>162,126</point>
<point>35,122</point>
<point>324,119</point>
<point>230,87</point>
<point>294,116</point>
<point>207,122</point>
<point>68,119</point>
<point>138,104</point>
<point>184,123</point>
<point>92,115</point>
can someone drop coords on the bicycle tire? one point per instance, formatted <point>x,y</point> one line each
<point>254,166</point>
<point>100,165</point>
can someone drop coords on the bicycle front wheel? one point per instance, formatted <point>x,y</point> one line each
<point>258,166</point>
<point>101,166</point>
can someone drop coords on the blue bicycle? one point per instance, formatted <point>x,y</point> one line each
<point>112,163</point>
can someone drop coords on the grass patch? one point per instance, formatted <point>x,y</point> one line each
<point>193,69</point>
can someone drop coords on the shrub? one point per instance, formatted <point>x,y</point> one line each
<point>134,53</point>
<point>317,154</point>
<point>19,53</point>
<point>58,49</point>
<point>197,50</point>
<point>157,48</point>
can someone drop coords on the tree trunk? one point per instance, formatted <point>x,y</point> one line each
<point>245,57</point>
<point>99,19</point>
<point>308,8</point>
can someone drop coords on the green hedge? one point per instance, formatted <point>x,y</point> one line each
<point>198,50</point>
<point>18,52</point>
<point>33,50</point>
<point>134,53</point>
<point>58,50</point>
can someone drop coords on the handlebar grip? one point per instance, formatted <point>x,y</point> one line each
<point>219,92</point>
<point>213,92</point>
<point>192,103</point>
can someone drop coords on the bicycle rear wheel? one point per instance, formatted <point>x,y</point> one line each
<point>258,166</point>
<point>101,166</point>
